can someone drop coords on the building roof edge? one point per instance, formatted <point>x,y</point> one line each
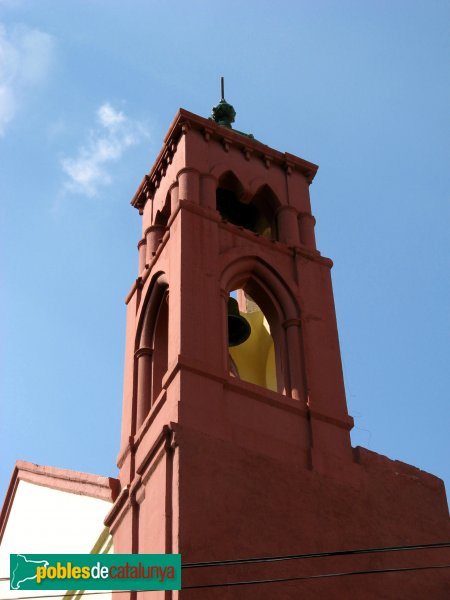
<point>63,480</point>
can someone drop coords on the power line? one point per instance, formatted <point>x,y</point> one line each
<point>325,575</point>
<point>252,582</point>
<point>262,559</point>
<point>265,559</point>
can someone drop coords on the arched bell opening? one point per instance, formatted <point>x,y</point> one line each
<point>256,214</point>
<point>151,354</point>
<point>154,234</point>
<point>162,216</point>
<point>266,203</point>
<point>251,346</point>
<point>261,284</point>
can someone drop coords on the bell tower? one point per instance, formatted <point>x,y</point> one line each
<point>235,431</point>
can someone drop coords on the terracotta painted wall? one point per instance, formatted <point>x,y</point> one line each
<point>218,468</point>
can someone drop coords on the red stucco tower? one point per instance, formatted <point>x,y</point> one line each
<point>218,464</point>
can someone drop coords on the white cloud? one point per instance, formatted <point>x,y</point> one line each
<point>87,171</point>
<point>109,117</point>
<point>26,56</point>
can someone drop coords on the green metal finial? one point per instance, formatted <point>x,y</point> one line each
<point>223,113</point>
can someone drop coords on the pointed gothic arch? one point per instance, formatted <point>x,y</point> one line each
<point>261,284</point>
<point>255,212</point>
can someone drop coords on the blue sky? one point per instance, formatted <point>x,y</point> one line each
<point>87,92</point>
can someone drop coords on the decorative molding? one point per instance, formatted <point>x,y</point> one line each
<point>267,160</point>
<point>288,167</point>
<point>183,122</point>
<point>307,215</point>
<point>125,452</point>
<point>143,352</point>
<point>291,323</point>
<point>153,413</point>
<point>173,440</point>
<point>346,423</point>
<point>226,142</point>
<point>185,127</point>
<point>118,509</point>
<point>284,207</point>
<point>187,170</point>
<point>153,450</point>
<point>137,491</point>
<point>247,152</point>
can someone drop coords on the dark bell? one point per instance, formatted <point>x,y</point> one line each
<point>238,327</point>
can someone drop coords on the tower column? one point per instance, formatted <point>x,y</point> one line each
<point>287,221</point>
<point>173,191</point>
<point>153,236</point>
<point>188,181</point>
<point>144,382</point>
<point>307,223</point>
<point>142,249</point>
<point>293,337</point>
<point>208,185</point>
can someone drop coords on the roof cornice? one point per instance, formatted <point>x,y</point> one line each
<point>185,120</point>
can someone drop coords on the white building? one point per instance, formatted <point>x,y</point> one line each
<point>53,511</point>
